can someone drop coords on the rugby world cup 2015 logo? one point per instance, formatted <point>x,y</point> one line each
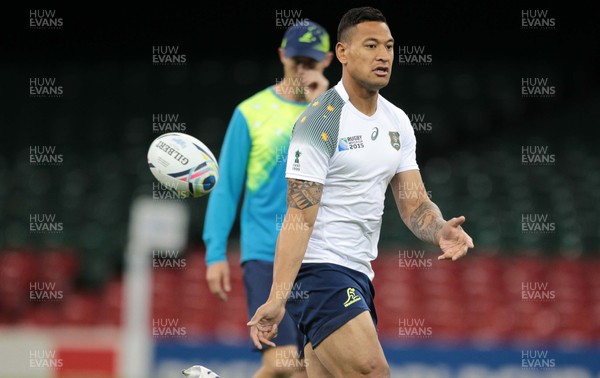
<point>343,144</point>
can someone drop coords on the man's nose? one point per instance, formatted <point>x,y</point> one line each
<point>301,67</point>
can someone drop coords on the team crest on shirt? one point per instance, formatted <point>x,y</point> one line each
<point>395,139</point>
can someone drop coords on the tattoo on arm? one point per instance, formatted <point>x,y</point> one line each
<point>426,221</point>
<point>302,194</point>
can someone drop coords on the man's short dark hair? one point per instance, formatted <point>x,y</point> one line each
<point>355,16</point>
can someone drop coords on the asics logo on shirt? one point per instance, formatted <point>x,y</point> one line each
<point>375,133</point>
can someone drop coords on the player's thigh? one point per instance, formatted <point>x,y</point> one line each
<point>353,350</point>
<point>314,367</point>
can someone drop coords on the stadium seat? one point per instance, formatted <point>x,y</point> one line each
<point>81,309</point>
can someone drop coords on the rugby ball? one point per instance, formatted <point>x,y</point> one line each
<point>199,371</point>
<point>183,164</point>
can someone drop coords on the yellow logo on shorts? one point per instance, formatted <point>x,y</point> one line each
<point>352,297</point>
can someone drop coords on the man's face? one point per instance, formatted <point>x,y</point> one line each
<point>368,54</point>
<point>303,73</point>
<point>295,67</point>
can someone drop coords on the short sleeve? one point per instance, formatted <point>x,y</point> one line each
<point>314,139</point>
<point>307,160</point>
<point>408,142</point>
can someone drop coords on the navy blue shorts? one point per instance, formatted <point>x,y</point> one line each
<point>327,296</point>
<point>258,277</point>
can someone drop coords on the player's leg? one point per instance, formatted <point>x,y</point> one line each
<point>281,362</point>
<point>336,308</point>
<point>284,360</point>
<point>314,367</point>
<point>353,350</point>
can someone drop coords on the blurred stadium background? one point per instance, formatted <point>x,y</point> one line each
<point>525,171</point>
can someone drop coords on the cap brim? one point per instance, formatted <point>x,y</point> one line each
<point>309,53</point>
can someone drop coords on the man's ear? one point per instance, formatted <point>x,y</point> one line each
<point>341,51</point>
<point>328,59</point>
<point>281,53</point>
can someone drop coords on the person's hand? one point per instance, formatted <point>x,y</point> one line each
<point>263,325</point>
<point>217,276</point>
<point>314,83</point>
<point>454,241</point>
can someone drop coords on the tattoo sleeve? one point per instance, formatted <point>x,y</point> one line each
<point>303,194</point>
<point>426,221</point>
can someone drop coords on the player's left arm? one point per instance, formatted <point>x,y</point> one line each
<point>424,218</point>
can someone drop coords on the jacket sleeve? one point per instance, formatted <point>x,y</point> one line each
<point>223,201</point>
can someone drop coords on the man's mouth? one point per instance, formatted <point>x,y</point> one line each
<point>381,71</point>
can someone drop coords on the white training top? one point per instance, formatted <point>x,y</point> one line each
<point>355,157</point>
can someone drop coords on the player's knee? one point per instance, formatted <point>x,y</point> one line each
<point>281,371</point>
<point>286,372</point>
<point>373,367</point>
<point>283,366</point>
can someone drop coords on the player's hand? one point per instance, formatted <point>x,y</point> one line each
<point>217,276</point>
<point>263,325</point>
<point>454,241</point>
<point>314,83</point>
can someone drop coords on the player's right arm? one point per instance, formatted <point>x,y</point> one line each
<point>223,202</point>
<point>313,142</point>
<point>303,199</point>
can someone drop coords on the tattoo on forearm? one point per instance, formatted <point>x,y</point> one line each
<point>302,194</point>
<point>426,221</point>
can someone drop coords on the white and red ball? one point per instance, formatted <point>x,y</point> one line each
<point>183,164</point>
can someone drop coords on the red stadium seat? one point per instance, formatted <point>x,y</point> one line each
<point>111,299</point>
<point>478,299</point>
<point>81,309</point>
<point>43,315</point>
<point>58,265</point>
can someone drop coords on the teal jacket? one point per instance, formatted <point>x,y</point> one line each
<point>252,163</point>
